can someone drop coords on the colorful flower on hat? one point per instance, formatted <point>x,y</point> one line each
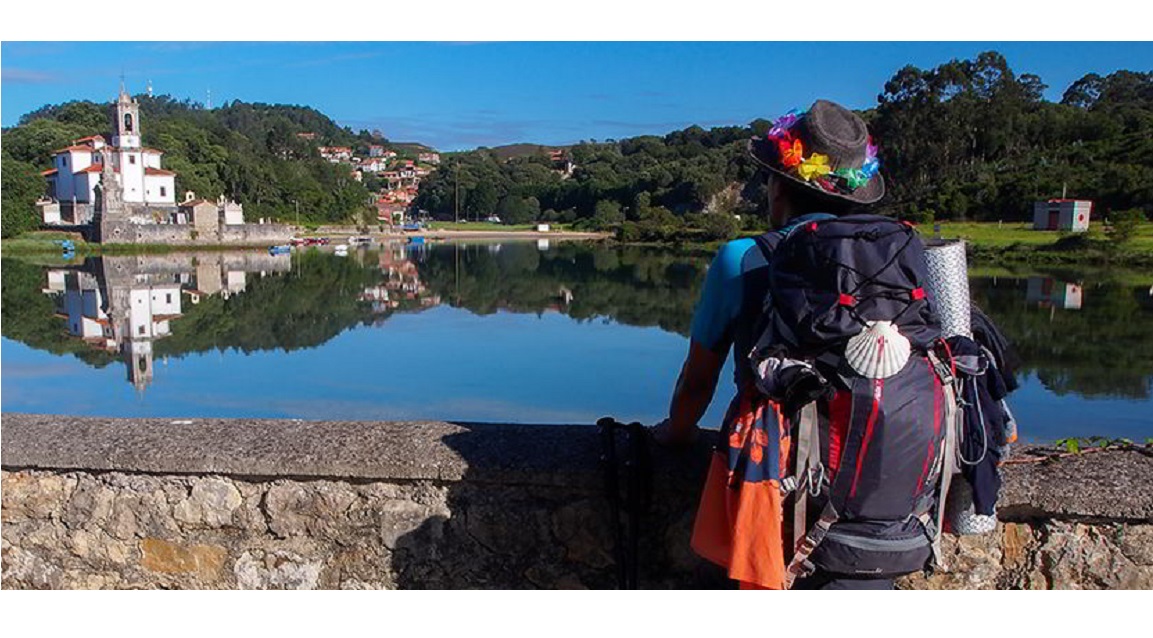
<point>854,177</point>
<point>872,165</point>
<point>792,151</point>
<point>785,122</point>
<point>817,165</point>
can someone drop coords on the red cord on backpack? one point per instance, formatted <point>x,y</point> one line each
<point>949,353</point>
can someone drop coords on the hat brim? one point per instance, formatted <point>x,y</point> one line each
<point>870,193</point>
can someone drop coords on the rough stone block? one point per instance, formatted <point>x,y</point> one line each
<point>211,503</point>
<point>307,508</point>
<point>205,561</point>
<point>25,570</point>
<point>259,569</point>
<point>582,528</point>
<point>89,506</point>
<point>28,495</point>
<point>1137,543</point>
<point>398,519</point>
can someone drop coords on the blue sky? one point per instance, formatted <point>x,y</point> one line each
<point>462,95</point>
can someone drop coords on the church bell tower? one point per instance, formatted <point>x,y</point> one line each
<point>127,121</point>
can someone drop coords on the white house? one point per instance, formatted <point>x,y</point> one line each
<point>76,169</point>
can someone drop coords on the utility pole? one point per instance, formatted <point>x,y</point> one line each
<point>456,217</point>
<point>297,213</point>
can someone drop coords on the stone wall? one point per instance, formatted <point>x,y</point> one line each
<point>255,233</point>
<point>126,232</point>
<point>203,503</point>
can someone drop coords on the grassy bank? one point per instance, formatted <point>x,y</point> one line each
<point>493,227</point>
<point>1018,243</point>
<point>48,243</point>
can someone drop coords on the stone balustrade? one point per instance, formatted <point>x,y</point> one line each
<point>254,504</point>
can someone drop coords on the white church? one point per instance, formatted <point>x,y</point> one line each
<point>76,171</point>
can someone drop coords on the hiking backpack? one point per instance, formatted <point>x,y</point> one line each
<point>851,350</point>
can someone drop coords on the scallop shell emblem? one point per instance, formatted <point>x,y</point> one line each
<point>879,351</point>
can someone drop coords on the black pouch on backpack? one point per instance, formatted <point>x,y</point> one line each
<point>875,548</point>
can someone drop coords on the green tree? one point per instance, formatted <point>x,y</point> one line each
<point>608,214</point>
<point>1123,225</point>
<point>513,209</point>
<point>482,200</point>
<point>22,186</point>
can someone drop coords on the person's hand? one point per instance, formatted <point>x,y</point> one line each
<point>664,434</point>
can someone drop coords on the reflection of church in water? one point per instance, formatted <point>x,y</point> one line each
<point>124,304</point>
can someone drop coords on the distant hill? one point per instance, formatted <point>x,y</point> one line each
<point>509,151</point>
<point>411,147</point>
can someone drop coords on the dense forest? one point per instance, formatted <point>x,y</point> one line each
<point>249,152</point>
<point>968,140</point>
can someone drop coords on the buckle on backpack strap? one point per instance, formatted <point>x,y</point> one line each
<point>944,372</point>
<point>806,546</point>
<point>788,485</point>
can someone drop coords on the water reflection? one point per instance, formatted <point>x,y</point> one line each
<point>123,305</point>
<point>1080,335</point>
<point>1048,292</point>
<point>1090,339</point>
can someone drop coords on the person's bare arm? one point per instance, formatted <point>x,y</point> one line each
<point>692,395</point>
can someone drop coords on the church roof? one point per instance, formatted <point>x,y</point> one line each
<point>157,171</point>
<point>74,147</point>
<point>92,168</point>
<point>90,138</point>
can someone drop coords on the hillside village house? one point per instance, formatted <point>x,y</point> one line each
<point>76,171</point>
<point>429,158</point>
<point>336,154</point>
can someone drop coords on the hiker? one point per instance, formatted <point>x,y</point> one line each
<point>820,165</point>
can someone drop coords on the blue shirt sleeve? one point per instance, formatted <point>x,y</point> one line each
<point>720,302</point>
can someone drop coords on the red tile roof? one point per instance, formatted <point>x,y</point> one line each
<point>152,150</point>
<point>74,147</point>
<point>48,172</point>
<point>157,171</point>
<point>196,202</point>
<point>90,138</point>
<point>92,168</point>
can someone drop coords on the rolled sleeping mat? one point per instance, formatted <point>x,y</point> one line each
<point>961,515</point>
<point>948,285</point>
<point>948,290</point>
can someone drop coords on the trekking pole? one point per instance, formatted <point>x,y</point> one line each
<point>639,493</point>
<point>608,426</point>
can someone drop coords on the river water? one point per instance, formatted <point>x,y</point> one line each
<point>510,332</point>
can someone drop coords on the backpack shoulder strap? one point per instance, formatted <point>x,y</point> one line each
<point>768,243</point>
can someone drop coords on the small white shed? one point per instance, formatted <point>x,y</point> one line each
<point>1062,214</point>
